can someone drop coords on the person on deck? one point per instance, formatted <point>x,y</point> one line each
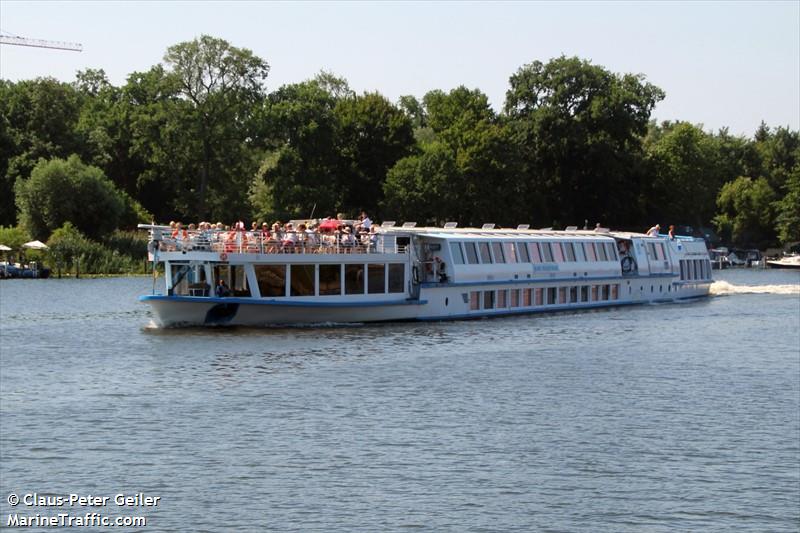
<point>672,233</point>
<point>654,231</point>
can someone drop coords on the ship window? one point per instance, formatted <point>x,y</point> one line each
<point>472,253</point>
<point>570,251</point>
<point>605,292</point>
<point>536,256</point>
<point>522,250</point>
<point>585,293</point>
<point>526,297</point>
<point>497,248</point>
<point>537,294</point>
<point>515,298</point>
<point>594,293</point>
<point>562,295</point>
<point>330,280</point>
<point>696,273</point>
<point>302,283</point>
<point>488,299</point>
<point>558,252</point>
<point>354,279</point>
<point>501,299</point>
<point>376,279</point>
<point>486,256</point>
<point>271,279</point>
<point>601,251</point>
<point>573,295</point>
<point>397,277</point>
<point>510,252</point>
<point>455,250</point>
<point>683,269</point>
<point>552,296</point>
<point>474,300</point>
<point>660,250</point>
<point>611,251</point>
<point>589,249</point>
<point>180,278</point>
<point>651,251</point>
<point>579,255</point>
<point>615,291</point>
<point>547,252</point>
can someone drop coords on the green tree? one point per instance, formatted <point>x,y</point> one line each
<point>37,120</point>
<point>301,166</point>
<point>746,212</point>
<point>578,131</point>
<point>223,85</point>
<point>373,135</point>
<point>787,209</point>
<point>686,175</point>
<point>60,191</point>
<point>464,171</point>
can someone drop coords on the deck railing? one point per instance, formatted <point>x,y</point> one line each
<point>293,242</point>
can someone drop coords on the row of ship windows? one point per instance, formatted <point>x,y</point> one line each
<point>475,253</point>
<point>510,298</point>
<point>695,269</point>
<point>330,280</point>
<point>292,280</point>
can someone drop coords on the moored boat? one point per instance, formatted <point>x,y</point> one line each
<point>411,273</point>
<point>789,261</point>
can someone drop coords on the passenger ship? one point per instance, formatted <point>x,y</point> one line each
<point>418,273</point>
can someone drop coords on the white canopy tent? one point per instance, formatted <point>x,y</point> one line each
<point>4,248</point>
<point>35,245</point>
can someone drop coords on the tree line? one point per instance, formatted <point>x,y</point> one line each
<point>199,137</point>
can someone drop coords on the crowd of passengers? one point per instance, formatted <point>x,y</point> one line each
<point>279,237</point>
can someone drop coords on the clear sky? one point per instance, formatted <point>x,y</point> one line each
<point>720,63</point>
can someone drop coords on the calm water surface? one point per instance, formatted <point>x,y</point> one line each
<point>658,418</point>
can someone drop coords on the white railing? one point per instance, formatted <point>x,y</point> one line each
<point>292,242</point>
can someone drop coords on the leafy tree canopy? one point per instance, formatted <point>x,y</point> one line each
<point>59,191</point>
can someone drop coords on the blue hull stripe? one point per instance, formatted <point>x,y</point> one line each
<point>274,302</point>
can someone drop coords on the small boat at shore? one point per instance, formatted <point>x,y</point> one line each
<point>411,273</point>
<point>789,261</point>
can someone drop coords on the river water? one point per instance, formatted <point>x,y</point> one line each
<point>655,418</point>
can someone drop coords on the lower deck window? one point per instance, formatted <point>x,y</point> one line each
<point>302,283</point>
<point>474,300</point>
<point>488,299</point>
<point>552,295</point>
<point>562,295</point>
<point>354,279</point>
<point>538,296</point>
<point>376,279</point>
<point>501,299</point>
<point>585,293</point>
<point>573,295</point>
<point>515,298</point>
<point>271,279</point>
<point>330,280</point>
<point>615,291</point>
<point>397,275</point>
<point>526,297</point>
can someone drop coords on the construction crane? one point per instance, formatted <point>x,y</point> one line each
<point>16,40</point>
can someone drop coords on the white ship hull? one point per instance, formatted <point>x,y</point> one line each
<point>491,273</point>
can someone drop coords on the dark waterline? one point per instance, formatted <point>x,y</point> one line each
<point>658,418</point>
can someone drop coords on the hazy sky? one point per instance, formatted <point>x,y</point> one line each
<point>720,63</point>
